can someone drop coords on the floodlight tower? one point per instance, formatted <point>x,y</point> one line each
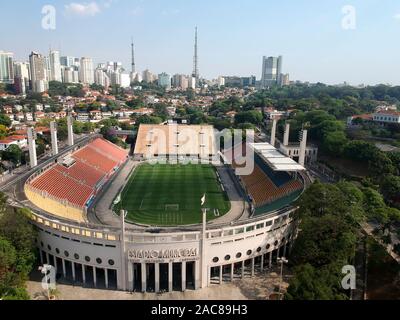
<point>273,132</point>
<point>70,123</point>
<point>303,146</point>
<point>32,147</point>
<point>286,135</point>
<point>54,142</point>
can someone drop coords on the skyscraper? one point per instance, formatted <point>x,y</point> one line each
<point>271,71</point>
<point>164,80</point>
<point>55,66</point>
<point>6,67</point>
<point>148,77</point>
<point>21,77</point>
<point>101,78</point>
<point>39,77</point>
<point>86,71</point>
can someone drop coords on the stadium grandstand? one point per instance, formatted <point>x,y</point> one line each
<point>273,182</point>
<point>175,140</point>
<point>67,188</point>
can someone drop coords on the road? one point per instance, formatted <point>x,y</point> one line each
<point>44,162</point>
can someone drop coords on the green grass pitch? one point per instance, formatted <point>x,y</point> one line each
<point>154,193</point>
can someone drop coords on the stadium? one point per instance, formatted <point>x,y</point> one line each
<point>178,214</point>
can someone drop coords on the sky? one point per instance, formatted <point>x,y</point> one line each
<point>319,40</point>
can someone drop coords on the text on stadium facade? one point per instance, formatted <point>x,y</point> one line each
<point>162,254</point>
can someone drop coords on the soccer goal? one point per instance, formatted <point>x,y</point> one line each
<point>172,207</point>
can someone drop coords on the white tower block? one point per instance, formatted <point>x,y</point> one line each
<point>32,147</point>
<point>303,145</point>
<point>273,132</point>
<point>286,136</point>
<point>54,142</point>
<point>70,122</point>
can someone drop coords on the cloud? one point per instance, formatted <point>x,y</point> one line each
<point>397,16</point>
<point>82,9</point>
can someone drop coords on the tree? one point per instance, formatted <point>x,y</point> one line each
<point>146,119</point>
<point>13,153</point>
<point>334,142</point>
<point>17,251</point>
<point>253,117</point>
<point>390,188</point>
<point>327,240</point>
<point>5,120</point>
<point>3,131</point>
<point>311,283</point>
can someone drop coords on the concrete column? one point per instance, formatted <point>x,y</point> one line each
<point>303,146</point>
<point>55,263</point>
<point>270,259</point>
<point>232,271</point>
<point>262,263</point>
<point>47,258</point>
<point>157,276</point>
<point>54,142</point>
<point>273,131</point>
<point>106,277</point>
<point>32,147</point>
<point>73,271</point>
<point>197,275</point>
<point>242,269</point>
<point>220,275</point>
<point>41,257</point>
<point>290,246</point>
<point>170,269</point>
<point>70,123</point>
<point>183,276</point>
<point>130,277</point>
<point>124,260</point>
<point>94,277</point>
<point>144,278</point>
<point>286,135</point>
<point>83,274</point>
<point>252,267</point>
<point>64,270</point>
<point>284,250</point>
<point>204,264</point>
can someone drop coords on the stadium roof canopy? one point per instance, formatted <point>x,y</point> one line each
<point>275,159</point>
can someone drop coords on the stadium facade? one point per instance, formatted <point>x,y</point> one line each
<point>103,251</point>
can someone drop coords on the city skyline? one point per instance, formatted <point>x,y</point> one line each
<point>315,45</point>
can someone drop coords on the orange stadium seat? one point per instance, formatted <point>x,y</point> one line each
<point>78,183</point>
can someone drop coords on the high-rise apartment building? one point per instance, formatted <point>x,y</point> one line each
<point>38,69</point>
<point>148,77</point>
<point>21,77</point>
<point>70,75</point>
<point>6,67</point>
<point>55,66</point>
<point>164,80</point>
<point>86,71</point>
<point>101,78</point>
<point>68,61</point>
<point>271,71</point>
<point>180,81</point>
